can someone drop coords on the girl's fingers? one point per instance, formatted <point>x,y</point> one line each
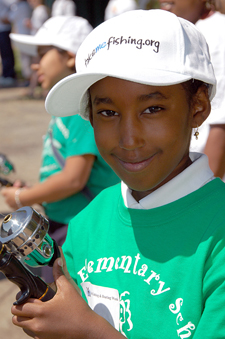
<point>26,310</point>
<point>20,321</point>
<point>62,262</point>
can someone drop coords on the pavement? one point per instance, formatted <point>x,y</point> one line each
<point>23,122</point>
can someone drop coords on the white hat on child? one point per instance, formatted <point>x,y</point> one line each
<point>152,47</point>
<point>65,32</point>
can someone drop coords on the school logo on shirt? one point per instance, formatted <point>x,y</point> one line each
<point>107,303</point>
<point>104,301</point>
<point>125,313</point>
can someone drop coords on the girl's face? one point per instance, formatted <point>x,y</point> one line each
<point>53,66</point>
<point>143,132</point>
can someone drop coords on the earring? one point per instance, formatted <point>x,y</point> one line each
<point>208,5</point>
<point>196,134</point>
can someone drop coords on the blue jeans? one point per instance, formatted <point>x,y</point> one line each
<point>7,56</point>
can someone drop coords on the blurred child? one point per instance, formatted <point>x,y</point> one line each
<point>63,7</point>
<point>147,254</point>
<point>8,75</point>
<point>211,138</point>
<point>39,15</point>
<point>18,15</point>
<point>72,171</point>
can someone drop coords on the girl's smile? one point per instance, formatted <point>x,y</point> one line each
<point>143,132</point>
<point>135,165</point>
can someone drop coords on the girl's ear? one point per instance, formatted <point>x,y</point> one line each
<point>71,60</point>
<point>201,106</point>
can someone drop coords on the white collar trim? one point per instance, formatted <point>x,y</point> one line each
<point>192,178</point>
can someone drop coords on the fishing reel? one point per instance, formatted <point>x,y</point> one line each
<point>5,168</point>
<point>5,165</point>
<point>24,241</point>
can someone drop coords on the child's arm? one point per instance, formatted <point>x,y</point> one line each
<point>69,181</point>
<point>66,316</point>
<point>215,149</point>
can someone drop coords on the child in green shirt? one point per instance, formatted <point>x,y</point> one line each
<point>72,171</point>
<point>146,254</point>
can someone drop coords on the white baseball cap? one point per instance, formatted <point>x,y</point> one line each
<point>152,47</point>
<point>66,32</point>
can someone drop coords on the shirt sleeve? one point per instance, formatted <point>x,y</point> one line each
<point>81,138</point>
<point>212,322</point>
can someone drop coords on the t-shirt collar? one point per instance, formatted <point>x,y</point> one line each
<point>192,178</point>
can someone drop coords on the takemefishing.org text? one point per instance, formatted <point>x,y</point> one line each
<point>138,43</point>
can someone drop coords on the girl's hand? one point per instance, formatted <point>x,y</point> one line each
<point>66,273</point>
<point>18,183</point>
<point>9,195</point>
<point>66,316</point>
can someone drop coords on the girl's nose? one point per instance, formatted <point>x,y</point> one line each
<point>131,134</point>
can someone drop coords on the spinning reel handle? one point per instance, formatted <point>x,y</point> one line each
<point>31,286</point>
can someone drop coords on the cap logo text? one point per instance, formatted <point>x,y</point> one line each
<point>138,43</point>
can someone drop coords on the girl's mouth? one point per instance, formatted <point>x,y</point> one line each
<point>135,166</point>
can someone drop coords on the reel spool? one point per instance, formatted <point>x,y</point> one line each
<point>25,234</point>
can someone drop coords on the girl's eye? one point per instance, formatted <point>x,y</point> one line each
<point>108,113</point>
<point>152,110</point>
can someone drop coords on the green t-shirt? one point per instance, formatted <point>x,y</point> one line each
<point>73,136</point>
<point>157,273</point>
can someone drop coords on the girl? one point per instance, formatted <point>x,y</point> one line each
<point>148,255</point>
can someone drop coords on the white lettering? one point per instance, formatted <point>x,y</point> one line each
<point>129,259</point>
<point>178,303</point>
<point>187,329</point>
<point>81,274</point>
<point>89,268</point>
<point>104,266</point>
<point>117,263</point>
<point>137,257</point>
<point>153,275</point>
<point>160,290</point>
<point>142,271</point>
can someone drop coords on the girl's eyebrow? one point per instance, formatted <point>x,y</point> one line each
<point>154,95</point>
<point>143,97</point>
<point>98,100</point>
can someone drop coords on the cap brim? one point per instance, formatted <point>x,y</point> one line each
<point>68,97</point>
<point>27,43</point>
